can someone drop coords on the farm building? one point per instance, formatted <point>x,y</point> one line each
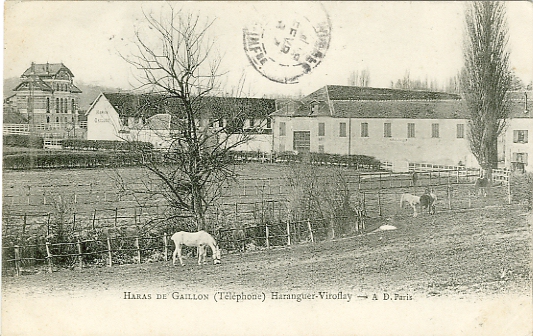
<point>45,102</point>
<point>151,118</point>
<point>397,126</point>
<point>515,148</point>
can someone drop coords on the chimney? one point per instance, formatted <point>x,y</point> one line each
<point>47,69</point>
<point>32,71</point>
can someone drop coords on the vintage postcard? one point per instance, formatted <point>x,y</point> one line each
<point>267,168</point>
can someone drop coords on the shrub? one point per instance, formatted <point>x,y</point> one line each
<point>22,140</point>
<point>106,144</point>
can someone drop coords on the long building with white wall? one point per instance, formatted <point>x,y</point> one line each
<point>151,118</point>
<point>397,126</point>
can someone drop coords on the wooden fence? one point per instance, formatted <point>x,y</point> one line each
<point>125,235</point>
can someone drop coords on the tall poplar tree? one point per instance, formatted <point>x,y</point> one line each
<point>486,79</point>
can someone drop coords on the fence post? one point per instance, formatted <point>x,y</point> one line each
<point>310,231</point>
<point>49,257</point>
<point>288,232</point>
<point>74,222</point>
<point>94,219</point>
<point>109,254</point>
<point>165,242</point>
<point>116,217</point>
<point>364,202</point>
<point>17,260</point>
<point>137,246</point>
<point>430,177</point>
<point>47,225</point>
<point>449,194</point>
<point>379,203</point>
<point>390,180</point>
<point>267,234</point>
<point>24,226</point>
<point>80,256</point>
<point>359,182</point>
<point>509,196</point>
<point>457,171</point>
<point>379,180</point>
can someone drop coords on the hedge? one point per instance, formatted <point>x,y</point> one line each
<point>22,140</point>
<point>71,160</point>
<point>106,144</point>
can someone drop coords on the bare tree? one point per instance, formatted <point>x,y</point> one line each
<point>359,78</point>
<point>179,68</point>
<point>486,79</point>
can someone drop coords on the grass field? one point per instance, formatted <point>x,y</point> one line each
<point>478,254</point>
<point>478,251</point>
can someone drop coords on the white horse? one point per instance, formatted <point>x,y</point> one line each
<point>412,200</point>
<point>200,239</point>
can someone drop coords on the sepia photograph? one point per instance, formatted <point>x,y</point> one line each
<point>267,168</point>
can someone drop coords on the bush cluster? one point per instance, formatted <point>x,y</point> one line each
<point>71,160</point>
<point>106,144</point>
<point>21,140</point>
<point>318,158</point>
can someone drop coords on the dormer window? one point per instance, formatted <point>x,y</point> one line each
<point>313,108</point>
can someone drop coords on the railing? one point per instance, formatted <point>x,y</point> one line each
<point>16,129</point>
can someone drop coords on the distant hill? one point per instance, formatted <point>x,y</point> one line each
<point>88,95</point>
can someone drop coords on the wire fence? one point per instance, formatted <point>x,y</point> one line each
<point>254,216</point>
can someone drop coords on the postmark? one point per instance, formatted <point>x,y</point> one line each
<point>287,43</point>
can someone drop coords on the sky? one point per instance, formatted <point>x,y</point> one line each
<point>387,39</point>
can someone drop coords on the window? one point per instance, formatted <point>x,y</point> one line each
<point>61,105</point>
<point>519,157</point>
<point>342,129</point>
<point>73,106</point>
<point>460,131</point>
<point>269,123</point>
<point>434,130</point>
<point>321,148</point>
<point>321,129</point>
<point>48,105</point>
<point>252,122</point>
<point>57,105</point>
<point>282,129</point>
<point>364,130</point>
<point>314,108</point>
<point>302,141</point>
<point>387,130</point>
<point>410,130</point>
<point>520,136</point>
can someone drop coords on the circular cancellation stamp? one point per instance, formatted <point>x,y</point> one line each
<point>287,43</point>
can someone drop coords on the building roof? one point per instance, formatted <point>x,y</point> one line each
<point>35,83</point>
<point>341,92</point>
<point>45,70</point>
<point>358,102</point>
<point>147,105</point>
<point>417,109</point>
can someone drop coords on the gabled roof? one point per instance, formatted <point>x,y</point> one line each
<point>46,69</point>
<point>409,109</point>
<point>340,92</point>
<point>36,82</point>
<point>147,105</point>
<point>365,102</point>
<point>371,107</point>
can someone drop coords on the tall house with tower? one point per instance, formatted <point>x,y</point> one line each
<point>47,99</point>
